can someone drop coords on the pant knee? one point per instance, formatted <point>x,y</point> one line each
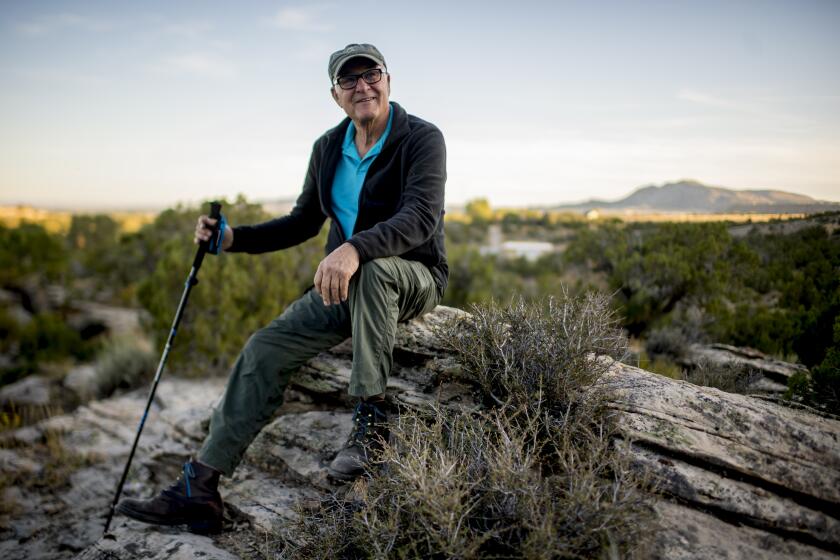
<point>258,355</point>
<point>377,271</point>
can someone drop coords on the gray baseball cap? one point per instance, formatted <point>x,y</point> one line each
<point>353,50</point>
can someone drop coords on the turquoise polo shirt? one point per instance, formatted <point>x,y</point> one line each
<point>350,176</point>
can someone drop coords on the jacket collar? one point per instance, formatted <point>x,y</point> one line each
<point>399,128</point>
<point>335,136</point>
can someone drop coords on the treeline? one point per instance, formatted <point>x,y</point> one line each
<point>680,282</point>
<point>96,261</point>
<point>778,293</point>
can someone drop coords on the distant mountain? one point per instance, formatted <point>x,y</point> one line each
<point>693,196</point>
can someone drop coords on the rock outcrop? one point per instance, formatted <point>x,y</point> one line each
<point>739,477</point>
<point>767,374</point>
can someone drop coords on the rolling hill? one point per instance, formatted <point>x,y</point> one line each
<point>693,196</point>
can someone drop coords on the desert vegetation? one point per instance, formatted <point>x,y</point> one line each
<point>531,474</point>
<point>773,289</point>
<point>533,470</point>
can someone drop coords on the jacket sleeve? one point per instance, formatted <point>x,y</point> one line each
<point>421,205</point>
<point>302,223</point>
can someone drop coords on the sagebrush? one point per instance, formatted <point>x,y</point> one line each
<point>533,474</point>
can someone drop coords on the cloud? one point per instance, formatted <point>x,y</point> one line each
<point>759,106</point>
<point>189,29</point>
<point>203,65</point>
<point>708,100</point>
<point>307,18</point>
<point>313,51</point>
<point>57,22</point>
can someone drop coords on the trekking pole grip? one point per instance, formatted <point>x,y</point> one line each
<point>215,214</point>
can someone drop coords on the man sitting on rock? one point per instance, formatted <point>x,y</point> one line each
<point>379,176</point>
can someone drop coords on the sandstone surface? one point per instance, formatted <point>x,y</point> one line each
<point>740,477</point>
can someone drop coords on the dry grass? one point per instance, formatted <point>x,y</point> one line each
<point>732,377</point>
<point>552,351</point>
<point>56,464</point>
<point>534,475</point>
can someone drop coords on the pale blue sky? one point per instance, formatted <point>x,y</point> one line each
<point>109,104</point>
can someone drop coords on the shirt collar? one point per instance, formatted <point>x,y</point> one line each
<point>348,147</point>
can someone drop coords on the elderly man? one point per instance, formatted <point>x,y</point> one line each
<point>379,176</point>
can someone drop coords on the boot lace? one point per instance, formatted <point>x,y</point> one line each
<point>189,473</point>
<point>182,485</point>
<point>365,418</point>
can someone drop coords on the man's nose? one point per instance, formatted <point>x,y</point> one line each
<point>362,85</point>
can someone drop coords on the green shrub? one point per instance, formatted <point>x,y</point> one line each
<point>29,250</point>
<point>820,388</point>
<point>670,342</point>
<point>236,294</point>
<point>123,364</point>
<point>661,365</point>
<point>48,337</point>
<point>825,384</point>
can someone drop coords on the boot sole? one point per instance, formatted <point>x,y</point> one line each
<point>343,477</point>
<point>198,526</point>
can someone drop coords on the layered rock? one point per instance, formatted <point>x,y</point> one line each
<point>739,460</point>
<point>768,375</point>
<point>739,477</point>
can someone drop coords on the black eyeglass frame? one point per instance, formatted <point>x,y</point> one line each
<point>355,78</point>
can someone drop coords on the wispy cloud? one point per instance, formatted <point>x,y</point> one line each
<point>199,64</point>
<point>758,106</point>
<point>701,98</point>
<point>313,51</point>
<point>303,18</point>
<point>57,22</point>
<point>189,29</point>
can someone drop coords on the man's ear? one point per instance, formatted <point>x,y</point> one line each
<point>334,95</point>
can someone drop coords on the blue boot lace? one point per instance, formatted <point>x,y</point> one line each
<point>189,473</point>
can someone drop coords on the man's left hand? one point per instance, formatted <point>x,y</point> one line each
<point>332,279</point>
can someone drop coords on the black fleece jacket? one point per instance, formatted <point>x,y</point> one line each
<point>400,205</point>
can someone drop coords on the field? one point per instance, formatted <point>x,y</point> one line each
<point>58,221</point>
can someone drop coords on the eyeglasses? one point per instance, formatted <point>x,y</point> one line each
<point>349,81</point>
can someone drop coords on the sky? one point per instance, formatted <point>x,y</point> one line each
<point>109,104</point>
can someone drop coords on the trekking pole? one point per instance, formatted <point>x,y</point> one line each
<point>192,280</point>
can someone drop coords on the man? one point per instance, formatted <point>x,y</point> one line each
<point>379,176</point>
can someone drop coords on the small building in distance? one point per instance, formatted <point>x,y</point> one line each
<point>529,250</point>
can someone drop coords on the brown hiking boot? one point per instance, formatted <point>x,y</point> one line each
<point>193,500</point>
<point>370,430</point>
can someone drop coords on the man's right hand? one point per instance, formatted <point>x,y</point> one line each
<point>204,229</point>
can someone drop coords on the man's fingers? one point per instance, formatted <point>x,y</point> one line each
<point>204,228</point>
<point>318,278</point>
<point>332,279</point>
<point>335,289</point>
<point>326,288</point>
<point>345,286</point>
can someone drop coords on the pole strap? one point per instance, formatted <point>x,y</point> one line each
<point>215,246</point>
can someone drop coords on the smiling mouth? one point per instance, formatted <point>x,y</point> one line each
<point>365,99</point>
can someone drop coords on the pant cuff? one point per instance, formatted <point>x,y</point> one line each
<point>365,391</point>
<point>222,463</point>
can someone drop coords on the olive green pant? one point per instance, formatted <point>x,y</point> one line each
<point>382,293</point>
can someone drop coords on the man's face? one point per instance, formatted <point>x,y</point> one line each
<point>365,102</point>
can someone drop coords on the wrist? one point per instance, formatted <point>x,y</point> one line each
<point>227,238</point>
<point>354,250</point>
